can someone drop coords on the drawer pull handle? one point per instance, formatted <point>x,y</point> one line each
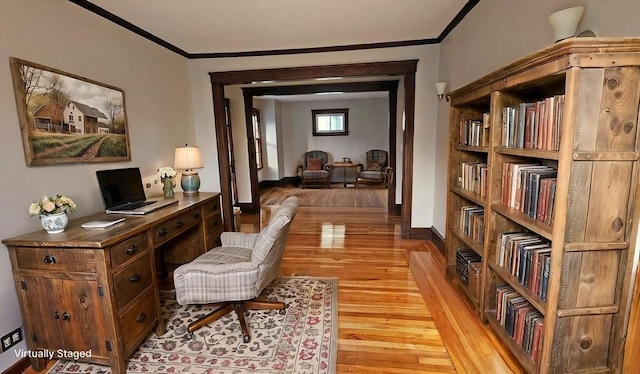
<point>48,259</point>
<point>131,250</point>
<point>141,317</point>
<point>56,315</point>
<point>179,224</point>
<point>134,278</point>
<point>196,214</point>
<point>66,316</point>
<point>163,231</point>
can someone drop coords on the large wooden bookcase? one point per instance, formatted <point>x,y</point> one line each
<point>592,225</point>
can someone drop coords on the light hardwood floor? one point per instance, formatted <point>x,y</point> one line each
<point>396,312</point>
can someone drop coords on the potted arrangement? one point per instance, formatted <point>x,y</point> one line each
<point>53,212</point>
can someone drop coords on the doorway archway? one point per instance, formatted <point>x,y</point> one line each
<point>406,69</point>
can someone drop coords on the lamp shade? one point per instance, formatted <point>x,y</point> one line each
<point>187,158</point>
<point>440,87</point>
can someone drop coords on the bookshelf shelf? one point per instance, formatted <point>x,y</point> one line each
<point>468,148</point>
<point>524,360</point>
<point>513,282</point>
<point>469,242</point>
<point>473,197</point>
<point>524,220</point>
<point>555,228</point>
<point>525,152</point>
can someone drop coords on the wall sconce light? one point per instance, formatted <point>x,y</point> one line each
<point>188,158</point>
<point>440,88</point>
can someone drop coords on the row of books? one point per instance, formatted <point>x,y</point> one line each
<point>464,258</point>
<point>535,125</point>
<point>530,188</point>
<point>473,177</point>
<point>521,321</point>
<point>474,132</point>
<point>472,222</point>
<point>528,258</point>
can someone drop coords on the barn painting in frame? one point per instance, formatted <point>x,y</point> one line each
<point>65,118</point>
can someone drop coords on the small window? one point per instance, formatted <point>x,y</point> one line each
<point>330,122</point>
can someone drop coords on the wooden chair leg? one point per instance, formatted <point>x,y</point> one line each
<point>215,315</point>
<point>240,309</point>
<point>264,305</point>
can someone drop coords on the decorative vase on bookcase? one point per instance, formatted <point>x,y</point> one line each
<point>565,22</point>
<point>54,223</point>
<point>167,188</point>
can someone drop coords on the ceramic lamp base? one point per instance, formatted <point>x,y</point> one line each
<point>190,182</point>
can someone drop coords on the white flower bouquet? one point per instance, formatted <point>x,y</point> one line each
<point>52,205</point>
<point>166,172</point>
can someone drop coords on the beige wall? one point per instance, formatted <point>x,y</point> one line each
<point>497,32</point>
<point>59,34</point>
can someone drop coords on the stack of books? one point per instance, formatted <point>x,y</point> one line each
<point>472,222</point>
<point>530,188</point>
<point>475,132</point>
<point>535,125</point>
<point>473,177</point>
<point>528,258</point>
<point>521,321</point>
<point>464,257</point>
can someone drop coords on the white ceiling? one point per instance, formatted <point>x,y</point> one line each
<point>252,26</point>
<point>222,26</point>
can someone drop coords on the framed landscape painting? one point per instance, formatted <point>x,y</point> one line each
<point>65,118</point>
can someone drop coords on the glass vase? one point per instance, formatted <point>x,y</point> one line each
<point>167,188</point>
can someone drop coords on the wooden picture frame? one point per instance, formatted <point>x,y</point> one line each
<point>65,118</point>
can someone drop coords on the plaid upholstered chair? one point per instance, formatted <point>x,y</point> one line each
<point>234,275</point>
<point>376,169</point>
<point>315,169</point>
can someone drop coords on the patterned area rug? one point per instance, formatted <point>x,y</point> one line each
<point>302,341</point>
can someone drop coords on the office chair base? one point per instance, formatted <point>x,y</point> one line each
<point>241,310</point>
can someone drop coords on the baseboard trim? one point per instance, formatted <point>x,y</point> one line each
<point>286,181</point>
<point>423,233</point>
<point>19,367</point>
<point>437,240</point>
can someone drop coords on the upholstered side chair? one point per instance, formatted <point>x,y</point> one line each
<point>234,275</point>
<point>315,169</point>
<point>376,170</point>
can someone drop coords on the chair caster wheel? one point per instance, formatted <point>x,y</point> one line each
<point>246,338</point>
<point>189,336</point>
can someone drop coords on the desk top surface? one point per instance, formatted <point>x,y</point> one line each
<point>77,237</point>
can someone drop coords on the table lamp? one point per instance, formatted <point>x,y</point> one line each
<point>188,158</point>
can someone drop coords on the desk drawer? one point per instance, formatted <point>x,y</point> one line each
<point>212,207</point>
<point>132,280</point>
<point>136,321</point>
<point>127,249</point>
<point>214,227</point>
<point>175,226</point>
<point>56,259</point>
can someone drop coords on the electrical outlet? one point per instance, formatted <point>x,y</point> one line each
<point>11,339</point>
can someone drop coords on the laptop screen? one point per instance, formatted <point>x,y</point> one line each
<point>120,187</point>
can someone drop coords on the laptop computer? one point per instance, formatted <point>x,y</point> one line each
<point>122,192</point>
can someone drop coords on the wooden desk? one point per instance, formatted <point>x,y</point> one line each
<point>96,289</point>
<point>345,166</point>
